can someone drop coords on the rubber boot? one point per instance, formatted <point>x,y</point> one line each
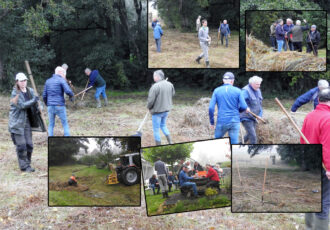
<point>321,224</point>
<point>169,140</point>
<point>207,64</point>
<point>106,101</point>
<point>167,196</point>
<point>198,59</point>
<point>309,219</point>
<point>158,143</point>
<point>98,103</point>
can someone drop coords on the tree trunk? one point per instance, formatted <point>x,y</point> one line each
<point>138,9</point>
<point>2,73</point>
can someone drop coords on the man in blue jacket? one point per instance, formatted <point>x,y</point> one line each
<point>230,102</point>
<point>287,27</point>
<point>53,96</point>
<point>184,180</point>
<point>279,33</point>
<point>158,33</point>
<point>96,80</point>
<point>311,95</point>
<point>253,99</point>
<point>225,31</point>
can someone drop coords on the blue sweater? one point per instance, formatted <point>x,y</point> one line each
<point>224,29</point>
<point>183,177</point>
<point>230,101</point>
<point>310,95</point>
<point>54,90</point>
<point>279,32</point>
<point>158,32</point>
<point>287,28</point>
<point>95,79</point>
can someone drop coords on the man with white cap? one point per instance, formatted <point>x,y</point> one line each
<point>53,96</point>
<point>230,102</point>
<point>313,39</point>
<point>23,118</point>
<point>311,95</point>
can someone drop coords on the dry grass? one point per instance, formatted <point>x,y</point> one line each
<point>286,190</point>
<point>260,57</point>
<point>179,50</point>
<point>23,197</point>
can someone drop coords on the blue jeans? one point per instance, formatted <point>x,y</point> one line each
<point>153,186</point>
<point>250,127</point>
<point>226,37</point>
<point>279,45</point>
<point>325,197</point>
<point>99,91</point>
<point>159,122</point>
<point>60,111</point>
<point>158,44</point>
<point>232,128</point>
<point>190,184</point>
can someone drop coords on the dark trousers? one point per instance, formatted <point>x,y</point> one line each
<point>213,184</point>
<point>72,182</point>
<point>251,136</point>
<point>226,37</point>
<point>24,147</point>
<point>169,187</point>
<point>273,42</point>
<point>310,48</point>
<point>325,197</point>
<point>153,186</point>
<point>297,46</point>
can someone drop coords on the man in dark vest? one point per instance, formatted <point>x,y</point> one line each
<point>253,99</point>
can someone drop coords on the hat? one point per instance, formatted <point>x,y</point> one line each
<point>228,76</point>
<point>313,26</point>
<point>20,77</point>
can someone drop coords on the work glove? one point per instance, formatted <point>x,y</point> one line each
<point>71,99</point>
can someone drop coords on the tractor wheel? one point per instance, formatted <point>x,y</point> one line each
<point>130,176</point>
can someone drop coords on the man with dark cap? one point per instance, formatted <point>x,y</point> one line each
<point>230,103</point>
<point>159,104</point>
<point>162,174</point>
<point>316,129</point>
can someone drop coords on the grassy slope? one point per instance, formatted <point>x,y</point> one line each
<point>179,50</point>
<point>92,177</point>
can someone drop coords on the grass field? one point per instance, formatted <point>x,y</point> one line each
<point>286,190</point>
<point>154,204</point>
<point>98,193</point>
<point>179,50</point>
<point>23,197</point>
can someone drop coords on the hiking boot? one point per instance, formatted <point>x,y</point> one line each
<point>98,103</point>
<point>158,142</point>
<point>29,170</point>
<point>169,140</point>
<point>207,64</point>
<point>321,224</point>
<point>309,219</point>
<point>198,60</point>
<point>105,101</point>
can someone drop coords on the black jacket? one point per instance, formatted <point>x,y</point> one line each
<point>315,37</point>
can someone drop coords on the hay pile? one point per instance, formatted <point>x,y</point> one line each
<point>260,57</point>
<point>278,130</point>
<point>196,120</point>
<point>60,186</point>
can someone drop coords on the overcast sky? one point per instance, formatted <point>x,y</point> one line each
<point>212,151</point>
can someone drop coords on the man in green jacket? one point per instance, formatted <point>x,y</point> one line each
<point>159,104</point>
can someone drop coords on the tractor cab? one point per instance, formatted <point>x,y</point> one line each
<point>128,168</point>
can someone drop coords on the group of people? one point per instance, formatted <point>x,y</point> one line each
<point>290,37</point>
<point>205,39</point>
<point>165,178</point>
<point>25,115</point>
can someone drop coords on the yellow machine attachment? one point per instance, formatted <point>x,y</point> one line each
<point>112,178</point>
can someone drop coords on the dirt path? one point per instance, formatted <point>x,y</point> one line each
<point>179,50</point>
